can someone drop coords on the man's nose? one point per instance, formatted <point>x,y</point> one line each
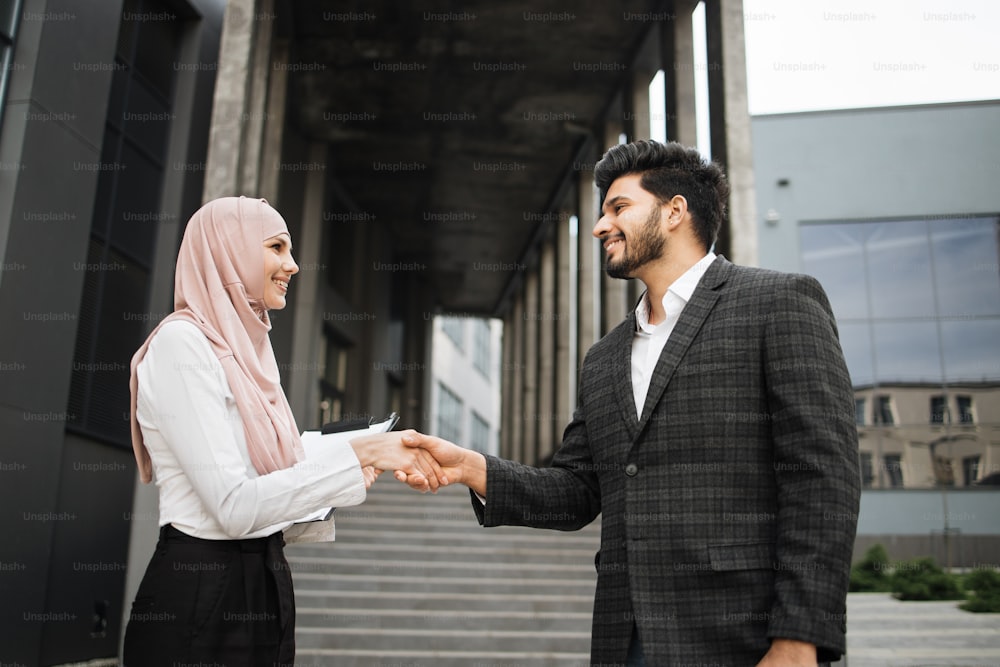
<point>602,227</point>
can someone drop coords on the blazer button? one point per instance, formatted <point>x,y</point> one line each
<point>631,470</point>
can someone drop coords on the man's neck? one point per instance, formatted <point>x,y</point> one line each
<point>659,276</point>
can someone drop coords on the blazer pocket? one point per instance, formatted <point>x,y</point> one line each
<point>729,557</point>
<point>719,368</point>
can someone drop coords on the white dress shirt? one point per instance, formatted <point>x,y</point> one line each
<point>194,433</point>
<point>648,342</point>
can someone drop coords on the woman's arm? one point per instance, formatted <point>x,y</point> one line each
<point>186,408</point>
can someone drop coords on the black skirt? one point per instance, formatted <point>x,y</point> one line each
<point>219,602</point>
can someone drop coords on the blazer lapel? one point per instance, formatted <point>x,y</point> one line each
<point>692,317</point>
<point>621,374</point>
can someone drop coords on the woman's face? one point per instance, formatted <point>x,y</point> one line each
<point>279,267</point>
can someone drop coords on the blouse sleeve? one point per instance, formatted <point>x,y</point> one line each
<point>184,387</point>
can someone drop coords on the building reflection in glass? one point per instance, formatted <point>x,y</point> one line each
<point>918,309</point>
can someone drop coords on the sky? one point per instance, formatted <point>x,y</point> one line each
<point>805,55</point>
<point>811,55</point>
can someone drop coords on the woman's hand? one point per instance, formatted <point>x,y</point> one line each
<point>386,451</point>
<point>371,473</point>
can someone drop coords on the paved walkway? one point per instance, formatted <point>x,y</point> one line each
<point>413,580</point>
<point>884,632</point>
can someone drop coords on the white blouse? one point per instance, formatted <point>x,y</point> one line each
<point>194,433</point>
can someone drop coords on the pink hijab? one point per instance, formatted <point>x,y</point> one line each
<point>219,287</point>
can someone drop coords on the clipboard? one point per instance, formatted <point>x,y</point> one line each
<point>361,424</point>
<point>341,433</point>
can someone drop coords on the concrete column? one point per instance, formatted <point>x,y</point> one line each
<point>545,319</point>
<point>615,295</point>
<point>565,366</point>
<point>255,108</point>
<point>370,344</point>
<point>274,126</point>
<point>307,325</point>
<point>643,70</point>
<point>531,356</point>
<point>515,434</point>
<point>508,385</point>
<point>589,272</point>
<point>232,89</point>
<point>643,73</point>
<point>614,292</point>
<point>677,58</point>
<point>417,346</point>
<point>730,125</point>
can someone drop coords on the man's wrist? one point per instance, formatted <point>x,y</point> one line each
<point>794,649</point>
<point>473,468</point>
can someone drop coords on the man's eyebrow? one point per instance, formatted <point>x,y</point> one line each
<point>614,200</point>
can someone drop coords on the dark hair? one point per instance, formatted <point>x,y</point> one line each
<point>667,170</point>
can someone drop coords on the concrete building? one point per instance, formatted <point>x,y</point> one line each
<point>465,381</point>
<point>896,212</point>
<point>427,162</point>
<point>106,116</point>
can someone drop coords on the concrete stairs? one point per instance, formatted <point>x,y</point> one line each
<point>414,580</point>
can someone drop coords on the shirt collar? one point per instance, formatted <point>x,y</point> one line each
<point>681,288</point>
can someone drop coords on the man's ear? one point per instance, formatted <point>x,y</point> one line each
<point>676,209</point>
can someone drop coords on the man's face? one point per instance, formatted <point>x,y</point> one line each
<point>629,227</point>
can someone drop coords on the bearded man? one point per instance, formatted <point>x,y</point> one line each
<point>714,433</point>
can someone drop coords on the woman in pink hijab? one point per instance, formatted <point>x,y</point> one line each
<point>212,426</point>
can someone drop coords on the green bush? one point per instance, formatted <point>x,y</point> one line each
<point>871,573</point>
<point>922,579</point>
<point>983,589</point>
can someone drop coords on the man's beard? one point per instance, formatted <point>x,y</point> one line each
<point>644,246</point>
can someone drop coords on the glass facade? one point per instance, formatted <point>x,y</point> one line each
<point>450,412</point>
<point>481,345</point>
<point>454,328</point>
<point>113,312</point>
<point>917,304</point>
<point>479,436</point>
<point>8,29</point>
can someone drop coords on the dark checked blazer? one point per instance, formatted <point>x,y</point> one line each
<point>729,508</point>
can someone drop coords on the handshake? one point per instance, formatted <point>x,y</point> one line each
<point>424,462</point>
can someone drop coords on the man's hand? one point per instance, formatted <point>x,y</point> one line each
<point>789,653</point>
<point>385,451</point>
<point>458,465</point>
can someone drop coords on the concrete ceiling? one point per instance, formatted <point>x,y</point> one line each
<point>453,124</point>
